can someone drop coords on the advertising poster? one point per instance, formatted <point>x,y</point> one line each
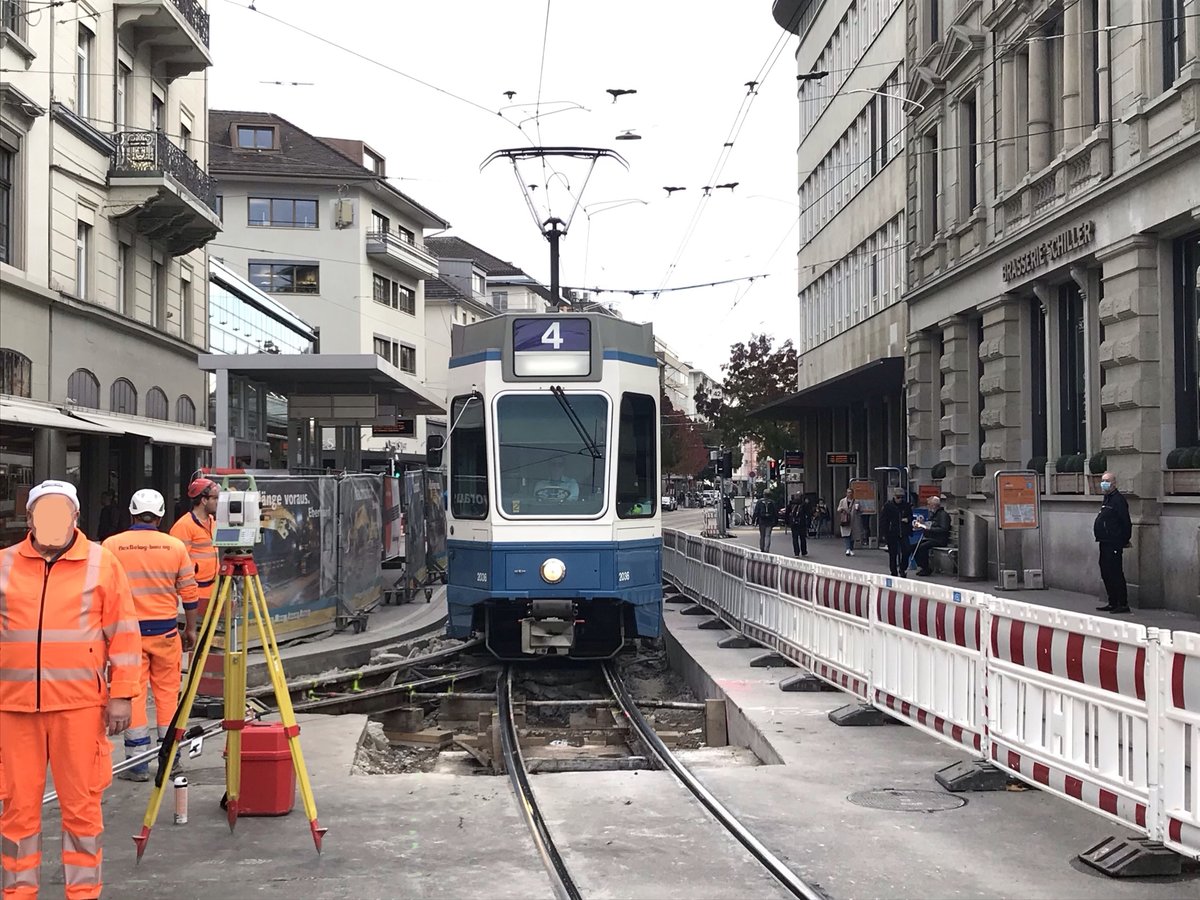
<point>864,493</point>
<point>1017,500</point>
<point>414,538</point>
<point>393,518</point>
<point>297,558</point>
<point>359,565</point>
<point>435,519</point>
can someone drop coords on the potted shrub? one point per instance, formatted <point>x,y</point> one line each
<point>1183,471</point>
<point>1068,474</point>
<point>978,477</point>
<point>1038,464</point>
<point>1097,466</point>
<point>938,472</point>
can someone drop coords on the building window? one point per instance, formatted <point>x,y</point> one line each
<point>1174,49</point>
<point>125,282</point>
<point>480,285</point>
<point>637,458</point>
<point>254,137</point>
<point>185,138</point>
<point>83,255</point>
<point>158,295</point>
<point>1187,341</point>
<point>408,359</point>
<point>185,410</point>
<point>393,294</point>
<point>977,378</point>
<point>935,21</point>
<point>219,209</point>
<point>1072,397</point>
<point>186,306</point>
<point>12,17</point>
<point>8,206</point>
<point>380,223</point>
<point>83,389</point>
<point>276,212</point>
<point>468,459</point>
<point>156,113</point>
<point>1093,35</point>
<point>931,188</point>
<point>969,148</point>
<point>387,349</point>
<point>156,404</point>
<point>405,235</point>
<point>83,72</point>
<point>1037,381</point>
<point>120,108</point>
<point>500,300</point>
<point>286,278</point>
<point>16,373</point>
<point>373,161</point>
<point>122,397</point>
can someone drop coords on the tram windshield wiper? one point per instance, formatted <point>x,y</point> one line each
<point>588,443</point>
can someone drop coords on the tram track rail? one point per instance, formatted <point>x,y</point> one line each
<point>563,883</point>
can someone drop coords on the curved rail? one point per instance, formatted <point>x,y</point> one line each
<point>514,764</point>
<point>789,879</point>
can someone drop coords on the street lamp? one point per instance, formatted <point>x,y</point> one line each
<point>920,106</point>
<point>608,206</point>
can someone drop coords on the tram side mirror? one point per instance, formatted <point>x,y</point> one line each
<point>434,445</point>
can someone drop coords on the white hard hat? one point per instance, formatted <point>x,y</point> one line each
<point>51,486</point>
<point>147,500</point>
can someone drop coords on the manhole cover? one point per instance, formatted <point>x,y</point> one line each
<point>898,800</point>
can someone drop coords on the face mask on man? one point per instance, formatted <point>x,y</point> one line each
<point>1106,486</point>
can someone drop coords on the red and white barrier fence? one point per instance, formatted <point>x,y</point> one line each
<point>1104,713</point>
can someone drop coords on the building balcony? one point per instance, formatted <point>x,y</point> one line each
<point>1071,173</point>
<point>156,188</point>
<point>403,255</point>
<point>175,30</point>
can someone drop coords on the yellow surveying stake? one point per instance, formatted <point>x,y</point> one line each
<point>237,531</point>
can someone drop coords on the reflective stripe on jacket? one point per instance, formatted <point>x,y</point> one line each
<point>197,538</point>
<point>158,568</point>
<point>61,625</point>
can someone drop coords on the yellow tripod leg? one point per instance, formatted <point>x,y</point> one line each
<point>266,633</point>
<point>236,638</point>
<point>183,713</point>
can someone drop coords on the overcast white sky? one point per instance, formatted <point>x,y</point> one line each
<point>687,59</point>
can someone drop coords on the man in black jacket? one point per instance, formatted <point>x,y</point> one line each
<point>799,519</point>
<point>1113,530</point>
<point>895,525</point>
<point>764,518</point>
<point>937,534</point>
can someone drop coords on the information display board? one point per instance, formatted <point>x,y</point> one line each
<point>842,459</point>
<point>1017,500</point>
<point>863,491</point>
<point>549,347</point>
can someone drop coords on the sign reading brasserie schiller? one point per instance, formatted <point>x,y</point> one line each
<point>1049,250</point>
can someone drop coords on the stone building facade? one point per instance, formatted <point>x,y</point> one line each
<point>1054,242</point>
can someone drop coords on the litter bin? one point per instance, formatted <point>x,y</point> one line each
<point>972,546</point>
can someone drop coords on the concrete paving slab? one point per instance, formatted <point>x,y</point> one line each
<point>831,552</point>
<point>632,835</point>
<point>389,836</point>
<point>1003,844</point>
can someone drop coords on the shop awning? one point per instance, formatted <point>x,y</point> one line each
<point>159,432</point>
<point>877,378</point>
<point>16,410</point>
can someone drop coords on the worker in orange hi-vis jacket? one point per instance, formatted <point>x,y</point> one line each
<point>195,529</point>
<point>160,574</point>
<point>66,617</point>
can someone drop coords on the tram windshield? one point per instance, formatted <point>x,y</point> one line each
<point>553,453</point>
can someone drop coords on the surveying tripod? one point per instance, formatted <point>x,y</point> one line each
<point>237,566</point>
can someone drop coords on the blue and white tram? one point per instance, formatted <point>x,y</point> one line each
<point>554,527</point>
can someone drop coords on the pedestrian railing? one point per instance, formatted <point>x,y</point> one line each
<point>1103,713</point>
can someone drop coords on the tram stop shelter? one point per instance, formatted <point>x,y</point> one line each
<point>343,391</point>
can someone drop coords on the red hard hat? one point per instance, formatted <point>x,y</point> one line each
<point>200,487</point>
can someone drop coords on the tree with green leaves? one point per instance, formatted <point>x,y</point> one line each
<point>757,374</point>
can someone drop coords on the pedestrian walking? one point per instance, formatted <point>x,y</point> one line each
<point>107,524</point>
<point>822,517</point>
<point>799,519</point>
<point>160,574</point>
<point>895,526</point>
<point>195,529</point>
<point>848,511</point>
<point>70,666</point>
<point>934,533</point>
<point>1113,530</point>
<point>764,517</point>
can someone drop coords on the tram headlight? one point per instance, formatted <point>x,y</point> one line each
<point>553,571</point>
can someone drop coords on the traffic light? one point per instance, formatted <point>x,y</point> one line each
<point>727,464</point>
<point>773,469</point>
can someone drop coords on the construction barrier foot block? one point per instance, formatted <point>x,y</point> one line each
<point>676,598</point>
<point>861,714</point>
<point>695,610</point>
<point>972,775</point>
<point>736,642</point>
<point>1132,857</point>
<point>807,683</point>
<point>771,661</point>
<point>713,624</point>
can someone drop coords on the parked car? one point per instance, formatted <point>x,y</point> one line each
<point>669,504</point>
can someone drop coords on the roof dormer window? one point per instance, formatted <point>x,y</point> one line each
<point>373,161</point>
<point>255,137</point>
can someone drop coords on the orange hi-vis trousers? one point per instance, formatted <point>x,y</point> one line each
<point>73,743</point>
<point>162,657</point>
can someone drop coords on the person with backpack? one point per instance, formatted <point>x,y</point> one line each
<point>764,518</point>
<point>799,519</point>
